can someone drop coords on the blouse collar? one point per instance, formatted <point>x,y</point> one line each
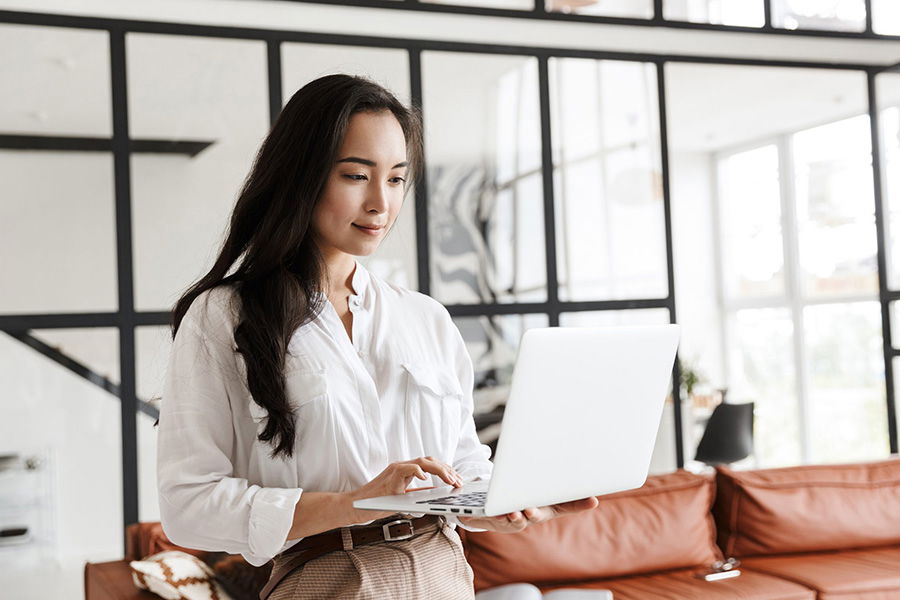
<point>360,282</point>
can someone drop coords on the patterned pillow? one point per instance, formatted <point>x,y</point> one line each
<point>176,575</point>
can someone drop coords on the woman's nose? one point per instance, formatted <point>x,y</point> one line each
<point>377,199</point>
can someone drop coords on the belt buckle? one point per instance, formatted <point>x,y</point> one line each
<point>390,538</point>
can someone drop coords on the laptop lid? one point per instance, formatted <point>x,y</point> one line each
<point>582,415</point>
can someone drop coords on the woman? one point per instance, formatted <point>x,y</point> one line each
<point>298,382</point>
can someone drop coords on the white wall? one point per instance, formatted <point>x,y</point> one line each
<point>45,406</point>
<point>694,252</point>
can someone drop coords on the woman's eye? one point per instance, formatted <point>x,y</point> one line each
<point>354,177</point>
<point>398,178</point>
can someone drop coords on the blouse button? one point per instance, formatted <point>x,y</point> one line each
<point>354,302</point>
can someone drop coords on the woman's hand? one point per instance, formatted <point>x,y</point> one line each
<point>395,479</point>
<point>520,519</point>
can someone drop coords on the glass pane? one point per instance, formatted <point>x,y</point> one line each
<point>152,346</point>
<point>485,190</point>
<point>761,370</point>
<point>610,226</point>
<point>750,215</point>
<point>697,290</point>
<point>75,424</point>
<point>637,9</point>
<point>888,97</point>
<point>729,108</point>
<point>59,213</point>
<point>609,318</point>
<point>744,13</point>
<point>836,15</point>
<point>507,4</point>
<point>61,81</point>
<point>301,63</point>
<point>189,89</point>
<point>95,348</point>
<point>664,459</point>
<point>895,365</point>
<point>836,209</point>
<point>847,411</point>
<point>492,343</point>
<point>894,315</point>
<point>148,497</point>
<point>395,259</point>
<point>886,17</point>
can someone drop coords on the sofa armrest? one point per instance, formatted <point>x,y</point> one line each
<point>112,581</point>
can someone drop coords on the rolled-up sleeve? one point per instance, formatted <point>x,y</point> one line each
<point>202,504</point>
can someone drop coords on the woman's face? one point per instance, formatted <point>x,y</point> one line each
<point>365,188</point>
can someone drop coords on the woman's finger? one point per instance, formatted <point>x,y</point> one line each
<point>408,471</point>
<point>457,477</point>
<point>576,505</point>
<point>444,473</point>
<point>439,468</point>
<point>452,478</point>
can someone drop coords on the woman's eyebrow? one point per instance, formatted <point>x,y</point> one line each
<point>370,163</point>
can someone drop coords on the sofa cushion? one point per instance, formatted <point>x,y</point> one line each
<point>808,509</point>
<point>683,585</point>
<point>666,524</point>
<point>239,578</point>
<point>176,575</point>
<point>872,573</point>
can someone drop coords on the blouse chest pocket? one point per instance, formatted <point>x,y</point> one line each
<point>307,395</point>
<point>433,398</point>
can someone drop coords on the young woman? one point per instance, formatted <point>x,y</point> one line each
<point>299,382</point>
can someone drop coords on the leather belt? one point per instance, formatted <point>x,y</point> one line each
<point>390,530</point>
<point>346,538</point>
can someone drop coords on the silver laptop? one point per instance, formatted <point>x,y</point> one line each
<point>581,420</point>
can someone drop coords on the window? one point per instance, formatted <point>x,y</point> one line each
<point>746,13</point>
<point>610,227</point>
<point>799,279</point>
<point>485,190</point>
<point>835,15</point>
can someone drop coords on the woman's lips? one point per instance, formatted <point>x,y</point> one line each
<point>369,230</point>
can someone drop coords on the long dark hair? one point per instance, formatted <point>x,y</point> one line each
<point>280,271</point>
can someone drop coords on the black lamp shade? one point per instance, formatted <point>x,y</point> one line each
<point>728,436</point>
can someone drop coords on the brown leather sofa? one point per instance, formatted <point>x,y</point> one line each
<point>113,580</point>
<point>801,533</point>
<point>814,532</point>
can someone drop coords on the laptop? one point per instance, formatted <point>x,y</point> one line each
<point>581,420</point>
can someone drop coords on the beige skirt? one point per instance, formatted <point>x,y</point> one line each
<point>430,565</point>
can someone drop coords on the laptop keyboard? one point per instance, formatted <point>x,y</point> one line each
<point>468,499</point>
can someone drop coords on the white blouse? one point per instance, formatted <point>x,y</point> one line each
<point>401,389</point>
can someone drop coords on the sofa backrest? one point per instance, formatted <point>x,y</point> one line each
<point>665,524</point>
<point>808,508</point>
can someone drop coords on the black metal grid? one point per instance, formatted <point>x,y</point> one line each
<point>127,318</point>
